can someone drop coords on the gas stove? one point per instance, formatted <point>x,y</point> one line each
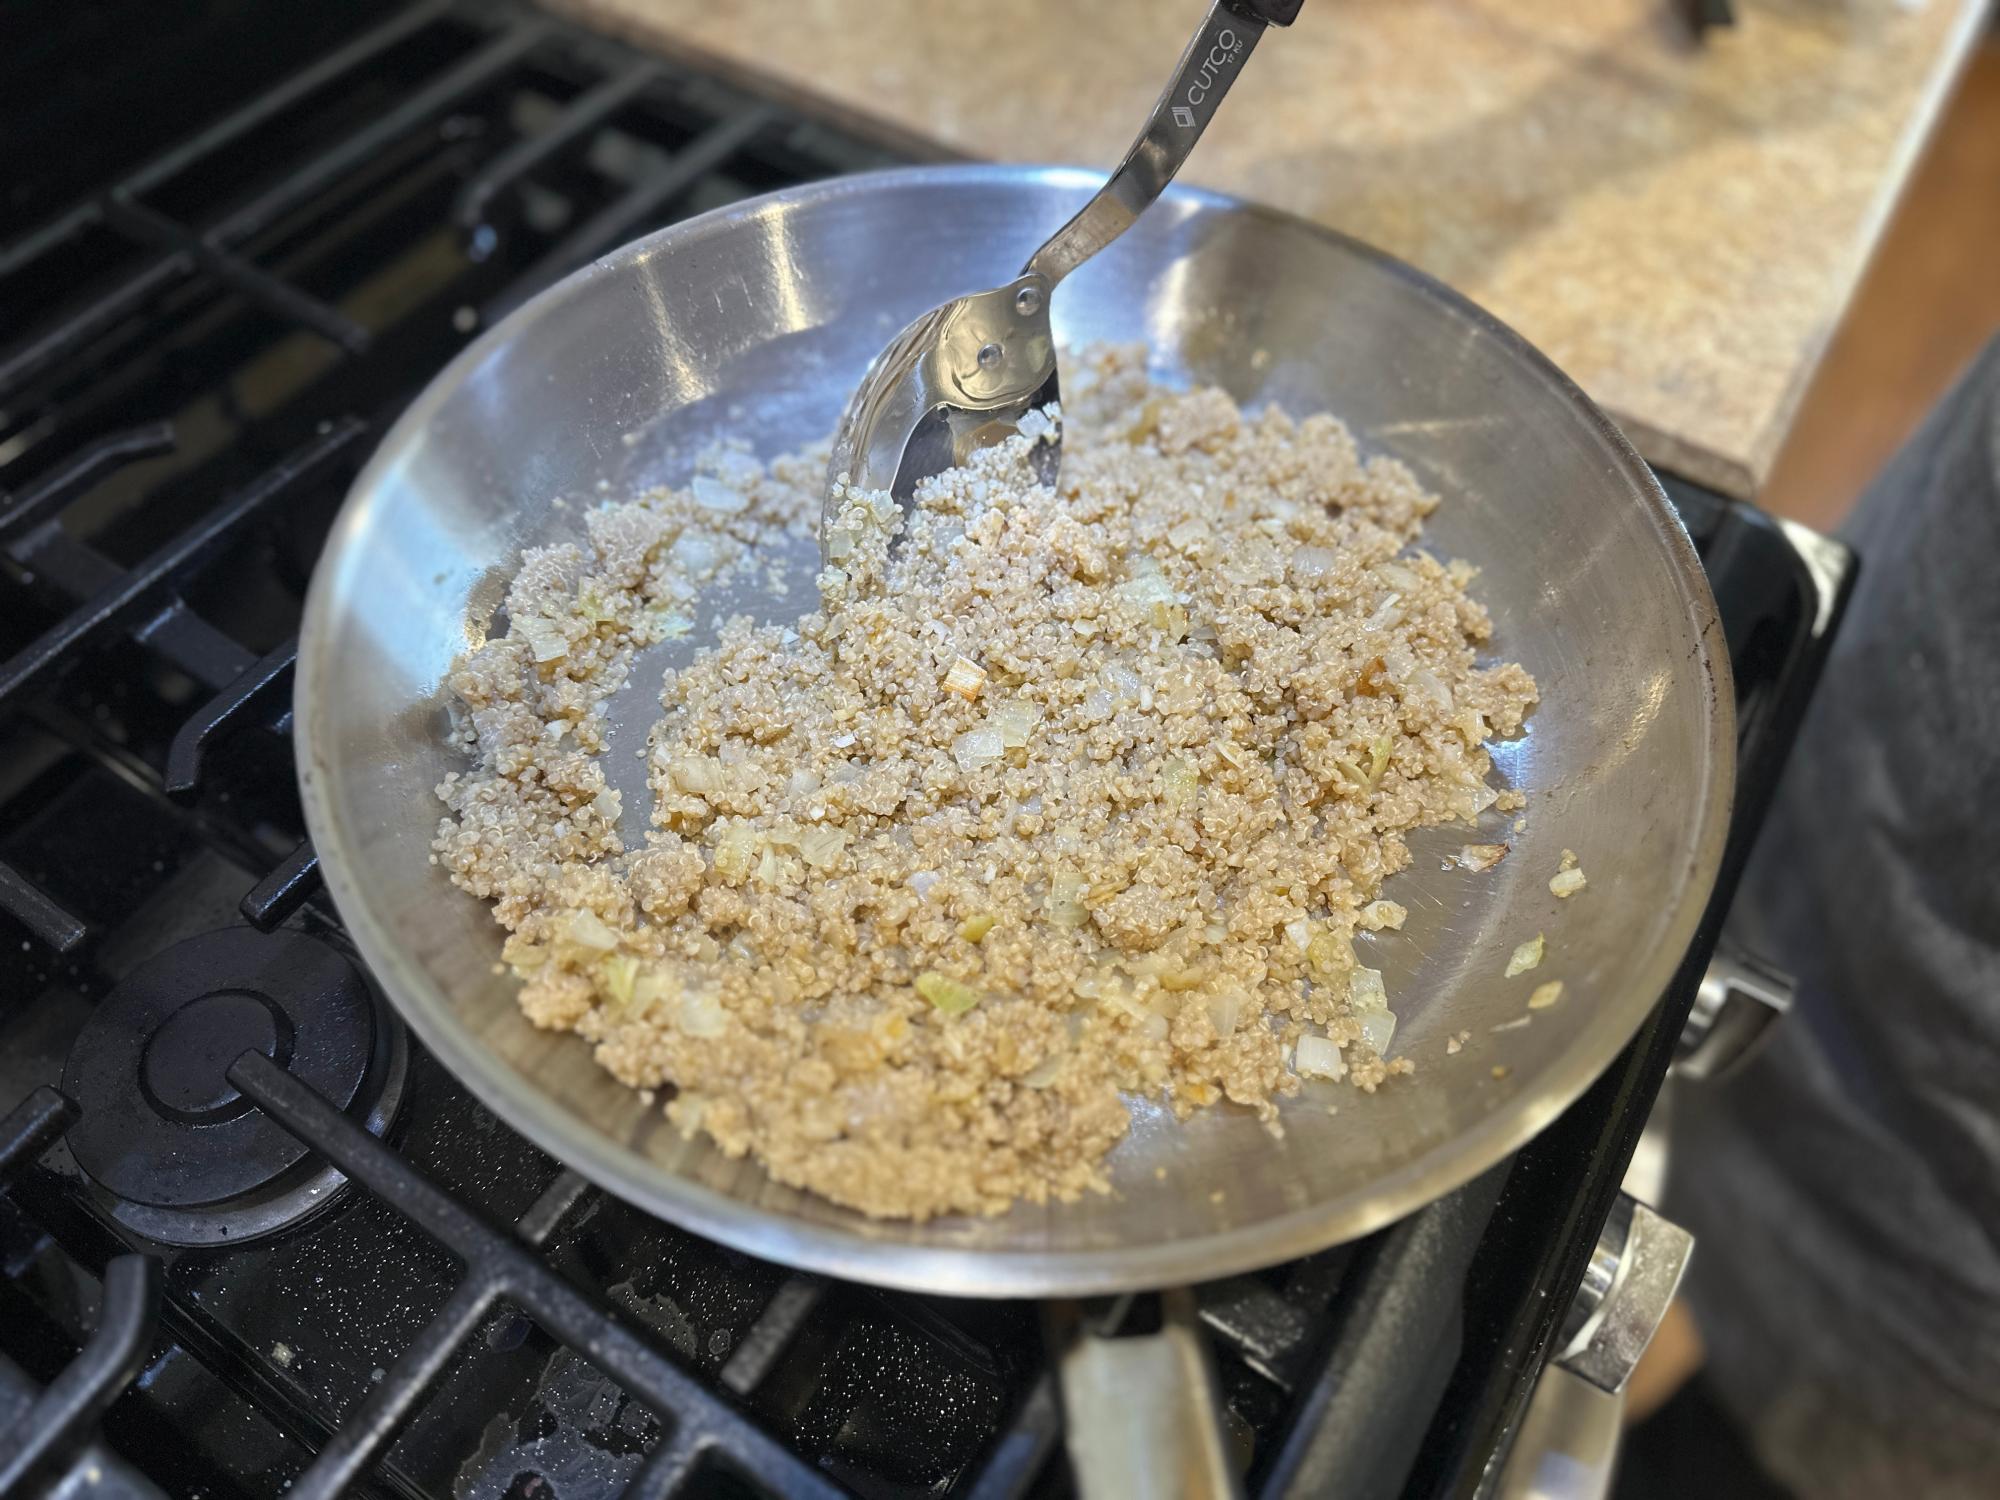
<point>256,1240</point>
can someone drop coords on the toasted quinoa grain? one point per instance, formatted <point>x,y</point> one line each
<point>1061,796</point>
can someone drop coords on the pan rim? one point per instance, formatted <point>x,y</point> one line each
<point>875,1254</point>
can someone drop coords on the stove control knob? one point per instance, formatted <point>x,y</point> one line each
<point>1631,1279</point>
<point>1740,996</point>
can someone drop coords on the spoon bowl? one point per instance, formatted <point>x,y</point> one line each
<point>962,376</point>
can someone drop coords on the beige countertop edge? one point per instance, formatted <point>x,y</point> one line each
<point>1740,477</point>
<point>1748,481</point>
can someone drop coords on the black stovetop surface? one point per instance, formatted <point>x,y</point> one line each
<point>230,250</point>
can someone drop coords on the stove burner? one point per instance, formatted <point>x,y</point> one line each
<point>179,1153</point>
<point>185,1061</point>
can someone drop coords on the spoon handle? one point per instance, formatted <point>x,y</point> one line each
<point>1203,75</point>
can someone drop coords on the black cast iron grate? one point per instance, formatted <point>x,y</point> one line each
<point>194,358</point>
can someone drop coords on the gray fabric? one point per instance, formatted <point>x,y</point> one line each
<point>1845,1188</point>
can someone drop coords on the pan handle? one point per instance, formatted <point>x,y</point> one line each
<point>1140,1410</point>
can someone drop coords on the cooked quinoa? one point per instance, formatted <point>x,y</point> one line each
<point>1063,796</point>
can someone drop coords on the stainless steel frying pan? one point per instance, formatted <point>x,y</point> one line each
<point>754,322</point>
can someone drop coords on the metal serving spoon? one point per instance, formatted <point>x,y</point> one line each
<point>963,375</point>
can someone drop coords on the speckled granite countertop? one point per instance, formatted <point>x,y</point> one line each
<point>1678,225</point>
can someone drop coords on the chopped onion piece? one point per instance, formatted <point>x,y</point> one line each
<point>1300,931</point>
<point>619,972</point>
<point>587,930</point>
<point>1546,995</point>
<point>526,957</point>
<point>974,928</point>
<point>686,1112</point>
<point>697,775</point>
<point>1379,751</point>
<point>948,996</point>
<point>711,493</point>
<point>701,1013</point>
<point>1480,858</point>
<point>1378,1028</point>
<point>698,554</point>
<point>965,678</point>
<point>1311,563</point>
<point>1178,782</point>
<point>1014,721</point>
<point>1224,1012</point>
<point>1045,1072</point>
<point>1477,799</point>
<point>820,846</point>
<point>1565,883</point>
<point>1148,585</point>
<point>667,625</point>
<point>736,852</point>
<point>1124,684</point>
<point>1377,915</point>
<point>545,638</point>
<point>1316,1057</point>
<point>652,986</point>
<point>978,748</point>
<point>1328,955</point>
<point>1388,614</point>
<point>1433,687</point>
<point>1526,957</point>
<point>1365,991</point>
<point>1066,908</point>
